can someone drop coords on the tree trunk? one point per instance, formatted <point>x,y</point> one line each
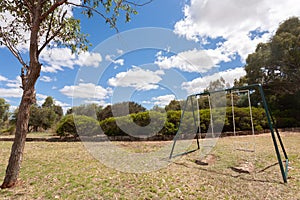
<point>14,164</point>
<point>28,98</point>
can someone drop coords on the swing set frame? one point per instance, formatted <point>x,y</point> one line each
<point>276,138</point>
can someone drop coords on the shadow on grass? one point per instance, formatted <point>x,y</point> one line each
<point>240,176</point>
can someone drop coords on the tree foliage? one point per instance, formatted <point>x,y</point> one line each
<point>91,110</point>
<point>41,117</point>
<point>174,105</point>
<point>216,85</point>
<point>4,111</point>
<point>77,124</point>
<point>45,116</point>
<point>276,64</point>
<point>173,121</point>
<point>120,109</point>
<point>31,26</point>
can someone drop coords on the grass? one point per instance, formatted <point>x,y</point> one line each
<point>65,170</point>
<point>32,135</point>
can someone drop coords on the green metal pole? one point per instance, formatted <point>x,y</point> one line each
<point>284,175</point>
<point>279,137</point>
<point>195,120</point>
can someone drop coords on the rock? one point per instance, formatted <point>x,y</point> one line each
<point>246,167</point>
<point>208,160</point>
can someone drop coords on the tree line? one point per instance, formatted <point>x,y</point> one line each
<point>275,65</point>
<point>167,119</point>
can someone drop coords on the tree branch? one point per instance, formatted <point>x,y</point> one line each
<point>48,40</point>
<point>96,11</point>
<point>13,50</point>
<point>29,6</point>
<point>136,4</point>
<point>52,8</point>
<point>50,25</point>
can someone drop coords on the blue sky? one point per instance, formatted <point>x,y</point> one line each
<point>190,44</point>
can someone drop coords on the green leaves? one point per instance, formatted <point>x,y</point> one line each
<point>277,63</point>
<point>110,10</point>
<point>57,27</point>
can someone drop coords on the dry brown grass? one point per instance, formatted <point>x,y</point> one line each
<point>65,170</point>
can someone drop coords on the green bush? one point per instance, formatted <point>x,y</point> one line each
<point>122,125</point>
<point>76,125</point>
<point>221,119</point>
<point>110,128</point>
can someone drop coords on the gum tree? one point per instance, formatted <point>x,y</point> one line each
<point>276,64</point>
<point>31,26</point>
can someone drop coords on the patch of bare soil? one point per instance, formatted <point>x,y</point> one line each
<point>207,160</point>
<point>246,167</point>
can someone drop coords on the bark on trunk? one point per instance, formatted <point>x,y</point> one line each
<point>28,82</point>
<point>15,160</point>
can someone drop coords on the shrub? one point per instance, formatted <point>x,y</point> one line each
<point>76,125</point>
<point>113,126</point>
<point>134,124</point>
<point>110,128</point>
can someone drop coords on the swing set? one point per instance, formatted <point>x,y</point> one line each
<point>192,106</point>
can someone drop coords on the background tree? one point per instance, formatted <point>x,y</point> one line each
<point>120,109</point>
<point>42,117</point>
<point>218,84</point>
<point>158,109</point>
<point>67,126</point>
<point>50,104</point>
<point>276,65</point>
<point>4,111</point>
<point>91,110</point>
<point>174,105</point>
<point>105,113</point>
<point>40,24</point>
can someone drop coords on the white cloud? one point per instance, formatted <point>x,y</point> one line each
<point>86,90</point>
<point>193,60</point>
<point>52,69</point>
<point>199,84</point>
<point>14,83</point>
<point>2,78</point>
<point>46,79</point>
<point>87,59</point>
<point>120,51</point>
<point>163,100</point>
<point>138,78</point>
<point>11,92</point>
<point>97,102</point>
<point>62,104</point>
<point>57,58</point>
<point>12,89</point>
<point>118,61</point>
<point>233,20</point>
<point>40,98</point>
<point>146,102</point>
<point>12,108</point>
